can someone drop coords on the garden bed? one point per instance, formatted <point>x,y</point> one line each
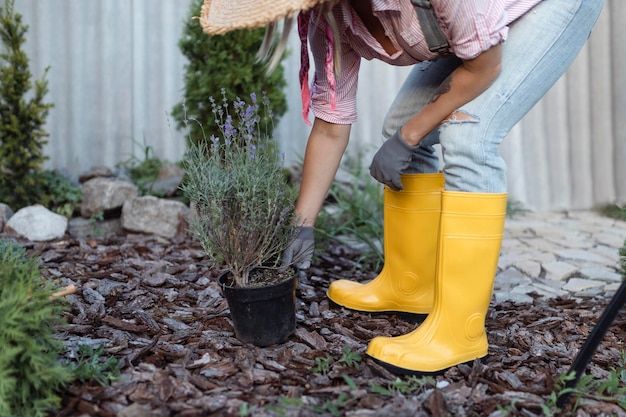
<point>156,307</point>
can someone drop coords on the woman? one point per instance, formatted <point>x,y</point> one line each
<point>443,229</point>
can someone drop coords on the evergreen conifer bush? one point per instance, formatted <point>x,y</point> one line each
<point>22,116</point>
<point>30,374</point>
<point>223,62</point>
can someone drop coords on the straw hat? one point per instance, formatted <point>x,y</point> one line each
<point>220,16</point>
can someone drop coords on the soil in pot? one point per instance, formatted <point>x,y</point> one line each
<point>262,315</point>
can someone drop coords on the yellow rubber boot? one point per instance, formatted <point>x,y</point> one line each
<point>471,231</point>
<point>411,230</point>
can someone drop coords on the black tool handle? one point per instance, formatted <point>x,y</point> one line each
<point>591,344</point>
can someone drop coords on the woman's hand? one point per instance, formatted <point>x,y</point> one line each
<point>393,157</point>
<point>300,250</point>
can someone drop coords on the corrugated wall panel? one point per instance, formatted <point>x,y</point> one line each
<point>617,11</point>
<point>577,107</point>
<point>157,75</point>
<point>602,118</point>
<point>116,72</point>
<point>554,136</point>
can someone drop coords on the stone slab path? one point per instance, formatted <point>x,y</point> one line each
<point>559,253</point>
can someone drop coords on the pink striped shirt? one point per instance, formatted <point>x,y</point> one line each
<point>471,26</point>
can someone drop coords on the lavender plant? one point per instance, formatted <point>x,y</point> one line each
<point>244,208</point>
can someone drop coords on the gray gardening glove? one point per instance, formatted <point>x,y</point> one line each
<point>393,157</point>
<point>300,250</point>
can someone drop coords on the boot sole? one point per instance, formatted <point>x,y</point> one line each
<point>409,372</point>
<point>412,318</point>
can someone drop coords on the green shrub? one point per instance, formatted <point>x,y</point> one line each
<point>11,252</point>
<point>144,172</point>
<point>91,365</point>
<point>30,375</point>
<point>223,63</point>
<point>60,194</point>
<point>614,211</point>
<point>354,211</point>
<point>514,208</point>
<point>22,136</point>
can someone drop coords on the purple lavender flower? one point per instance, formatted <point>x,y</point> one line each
<point>249,114</point>
<point>229,130</point>
<point>238,104</point>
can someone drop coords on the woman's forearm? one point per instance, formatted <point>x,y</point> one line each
<point>465,84</point>
<point>325,147</point>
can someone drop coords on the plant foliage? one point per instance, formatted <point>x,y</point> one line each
<point>144,172</point>
<point>30,375</point>
<point>22,116</point>
<point>92,365</point>
<point>60,194</point>
<point>244,207</point>
<point>614,211</point>
<point>354,211</point>
<point>224,61</point>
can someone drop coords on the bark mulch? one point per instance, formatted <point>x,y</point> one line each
<point>156,307</point>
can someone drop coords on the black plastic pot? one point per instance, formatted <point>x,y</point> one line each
<point>263,315</point>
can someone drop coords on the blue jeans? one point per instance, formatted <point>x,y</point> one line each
<point>541,45</point>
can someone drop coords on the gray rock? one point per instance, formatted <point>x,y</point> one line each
<point>510,278</point>
<point>512,296</point>
<point>169,170</point>
<point>559,271</point>
<point>600,272</point>
<point>37,223</point>
<point>5,214</point>
<point>166,187</point>
<point>104,194</point>
<point>80,227</point>
<point>580,284</point>
<point>153,215</point>
<point>581,255</point>
<point>168,180</point>
<point>95,172</point>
